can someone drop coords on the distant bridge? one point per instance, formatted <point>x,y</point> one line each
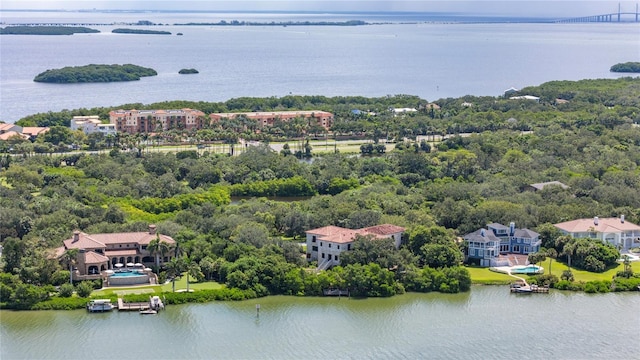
<point>613,17</point>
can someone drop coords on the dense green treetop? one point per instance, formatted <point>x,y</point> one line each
<point>188,71</point>
<point>94,73</point>
<point>45,30</point>
<point>457,186</point>
<point>630,67</point>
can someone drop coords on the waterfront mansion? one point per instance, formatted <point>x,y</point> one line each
<point>100,252</point>
<point>325,244</point>
<point>486,245</point>
<point>615,231</point>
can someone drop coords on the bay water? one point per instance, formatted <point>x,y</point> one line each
<point>431,60</point>
<point>487,322</point>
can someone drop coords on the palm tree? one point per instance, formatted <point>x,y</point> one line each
<point>175,267</point>
<point>70,257</point>
<point>551,254</point>
<point>193,269</point>
<point>153,248</point>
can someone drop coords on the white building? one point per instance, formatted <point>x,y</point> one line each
<point>91,124</point>
<point>615,231</point>
<point>325,244</point>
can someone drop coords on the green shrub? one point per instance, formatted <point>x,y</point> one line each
<point>66,290</point>
<point>597,286</point>
<point>624,284</point>
<point>59,303</point>
<point>84,289</point>
<point>569,285</point>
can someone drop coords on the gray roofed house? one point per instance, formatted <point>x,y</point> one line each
<point>542,185</point>
<point>486,245</point>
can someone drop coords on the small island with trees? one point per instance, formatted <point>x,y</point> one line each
<point>139,31</point>
<point>628,67</point>
<point>94,73</point>
<point>188,71</point>
<point>46,30</point>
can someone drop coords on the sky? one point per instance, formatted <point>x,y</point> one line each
<point>485,7</point>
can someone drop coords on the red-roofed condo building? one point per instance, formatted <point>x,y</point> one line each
<point>325,244</point>
<point>615,231</point>
<point>146,121</point>
<point>268,118</point>
<point>100,252</point>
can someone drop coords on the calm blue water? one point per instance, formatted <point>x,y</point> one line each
<point>532,269</point>
<point>429,60</point>
<point>127,274</point>
<point>486,323</point>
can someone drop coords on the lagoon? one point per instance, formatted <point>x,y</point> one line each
<point>487,322</point>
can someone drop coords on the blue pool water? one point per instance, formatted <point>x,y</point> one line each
<point>531,269</point>
<point>126,274</point>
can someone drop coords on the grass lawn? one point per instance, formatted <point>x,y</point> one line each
<point>119,291</point>
<point>580,275</point>
<point>482,275</point>
<point>181,284</point>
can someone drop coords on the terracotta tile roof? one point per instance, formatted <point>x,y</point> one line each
<point>142,238</point>
<point>100,241</point>
<point>6,127</point>
<point>339,235</point>
<point>57,252</point>
<point>93,257</point>
<point>33,130</point>
<point>384,229</point>
<point>9,134</point>
<point>124,252</point>
<point>610,225</point>
<point>84,241</point>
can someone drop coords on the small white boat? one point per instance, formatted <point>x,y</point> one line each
<point>100,305</point>
<point>148,312</point>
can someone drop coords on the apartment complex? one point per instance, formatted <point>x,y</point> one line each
<point>268,118</point>
<point>146,121</point>
<point>91,124</point>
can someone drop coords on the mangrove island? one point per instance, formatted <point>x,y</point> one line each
<point>46,30</point>
<point>137,31</point>
<point>94,73</point>
<point>628,67</point>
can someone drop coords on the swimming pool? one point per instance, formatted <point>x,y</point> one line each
<point>529,269</point>
<point>128,278</point>
<point>127,274</point>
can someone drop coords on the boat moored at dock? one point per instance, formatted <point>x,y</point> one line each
<point>100,305</point>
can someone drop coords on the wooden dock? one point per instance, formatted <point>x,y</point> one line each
<point>335,292</point>
<point>529,289</point>
<point>132,306</point>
